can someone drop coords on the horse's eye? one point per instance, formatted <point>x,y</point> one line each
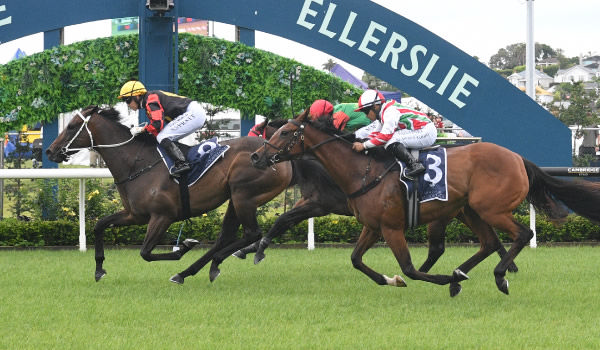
<point>284,132</point>
<point>70,127</point>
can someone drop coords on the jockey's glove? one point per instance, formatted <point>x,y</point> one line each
<point>136,130</point>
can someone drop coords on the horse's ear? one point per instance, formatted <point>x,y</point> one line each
<point>303,116</point>
<point>91,109</point>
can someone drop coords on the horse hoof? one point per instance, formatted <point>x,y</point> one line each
<point>503,286</point>
<point>258,257</point>
<point>189,243</point>
<point>99,274</point>
<point>214,273</point>
<point>455,288</point>
<point>395,281</point>
<point>513,268</point>
<point>458,276</point>
<point>239,254</point>
<point>176,279</point>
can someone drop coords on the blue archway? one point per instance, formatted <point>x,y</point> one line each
<point>361,33</point>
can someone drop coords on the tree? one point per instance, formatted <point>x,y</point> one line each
<point>375,83</point>
<point>581,112</point>
<point>514,55</point>
<point>328,66</point>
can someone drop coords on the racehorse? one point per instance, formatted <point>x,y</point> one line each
<point>322,196</point>
<point>486,181</point>
<point>150,196</point>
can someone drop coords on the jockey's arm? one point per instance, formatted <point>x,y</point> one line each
<point>155,113</point>
<point>389,121</point>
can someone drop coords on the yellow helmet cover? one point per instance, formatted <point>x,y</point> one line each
<point>132,88</point>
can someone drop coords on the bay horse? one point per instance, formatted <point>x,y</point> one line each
<point>150,196</point>
<point>322,196</point>
<point>486,182</point>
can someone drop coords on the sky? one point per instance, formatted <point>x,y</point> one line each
<point>478,27</point>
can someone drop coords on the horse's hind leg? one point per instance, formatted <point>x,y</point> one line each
<point>303,210</point>
<point>521,236</point>
<point>436,233</point>
<point>246,213</point>
<point>488,240</point>
<point>226,236</point>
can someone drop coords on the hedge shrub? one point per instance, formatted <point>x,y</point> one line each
<point>39,87</point>
<point>329,229</point>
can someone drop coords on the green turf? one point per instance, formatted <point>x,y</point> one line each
<point>296,299</point>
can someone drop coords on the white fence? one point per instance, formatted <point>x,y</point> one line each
<point>87,173</point>
<point>73,173</point>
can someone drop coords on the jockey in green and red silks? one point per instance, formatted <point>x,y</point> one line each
<point>172,117</point>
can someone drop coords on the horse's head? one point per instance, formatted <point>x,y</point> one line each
<point>74,137</point>
<point>287,143</point>
<point>84,131</point>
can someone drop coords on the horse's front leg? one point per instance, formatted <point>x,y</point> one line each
<point>304,209</point>
<point>122,218</point>
<point>226,237</point>
<point>397,243</point>
<point>367,238</point>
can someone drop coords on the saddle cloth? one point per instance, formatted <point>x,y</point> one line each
<point>433,184</point>
<point>201,158</point>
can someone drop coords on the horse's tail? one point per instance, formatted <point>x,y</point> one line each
<point>545,190</point>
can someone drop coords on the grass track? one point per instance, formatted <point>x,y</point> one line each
<point>296,299</point>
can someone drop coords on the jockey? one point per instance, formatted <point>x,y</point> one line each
<point>343,114</point>
<point>172,117</point>
<point>398,128</point>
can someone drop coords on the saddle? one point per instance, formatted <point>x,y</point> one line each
<point>425,188</point>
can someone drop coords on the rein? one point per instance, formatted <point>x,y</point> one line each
<point>86,120</point>
<point>299,136</point>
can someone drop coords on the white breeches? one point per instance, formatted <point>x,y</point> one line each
<point>415,138</point>
<point>185,124</point>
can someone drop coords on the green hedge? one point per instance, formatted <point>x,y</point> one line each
<point>327,229</point>
<point>39,87</point>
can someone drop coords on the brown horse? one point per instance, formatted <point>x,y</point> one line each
<point>150,196</point>
<point>322,196</point>
<point>486,181</point>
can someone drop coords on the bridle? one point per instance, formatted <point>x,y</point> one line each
<point>67,148</point>
<point>297,136</point>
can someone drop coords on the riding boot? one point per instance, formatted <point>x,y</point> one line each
<point>413,166</point>
<point>181,165</point>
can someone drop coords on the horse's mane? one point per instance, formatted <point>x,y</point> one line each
<point>115,117</point>
<point>325,124</point>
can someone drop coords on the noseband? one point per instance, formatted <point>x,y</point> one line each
<point>297,136</point>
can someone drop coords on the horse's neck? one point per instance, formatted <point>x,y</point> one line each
<point>124,160</point>
<point>346,167</point>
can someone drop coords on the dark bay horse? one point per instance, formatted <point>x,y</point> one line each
<point>322,196</point>
<point>150,196</point>
<point>485,181</point>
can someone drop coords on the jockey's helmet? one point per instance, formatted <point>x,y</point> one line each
<point>320,108</point>
<point>369,98</point>
<point>132,88</point>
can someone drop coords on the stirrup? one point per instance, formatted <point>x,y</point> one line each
<point>414,169</point>
<point>181,168</point>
